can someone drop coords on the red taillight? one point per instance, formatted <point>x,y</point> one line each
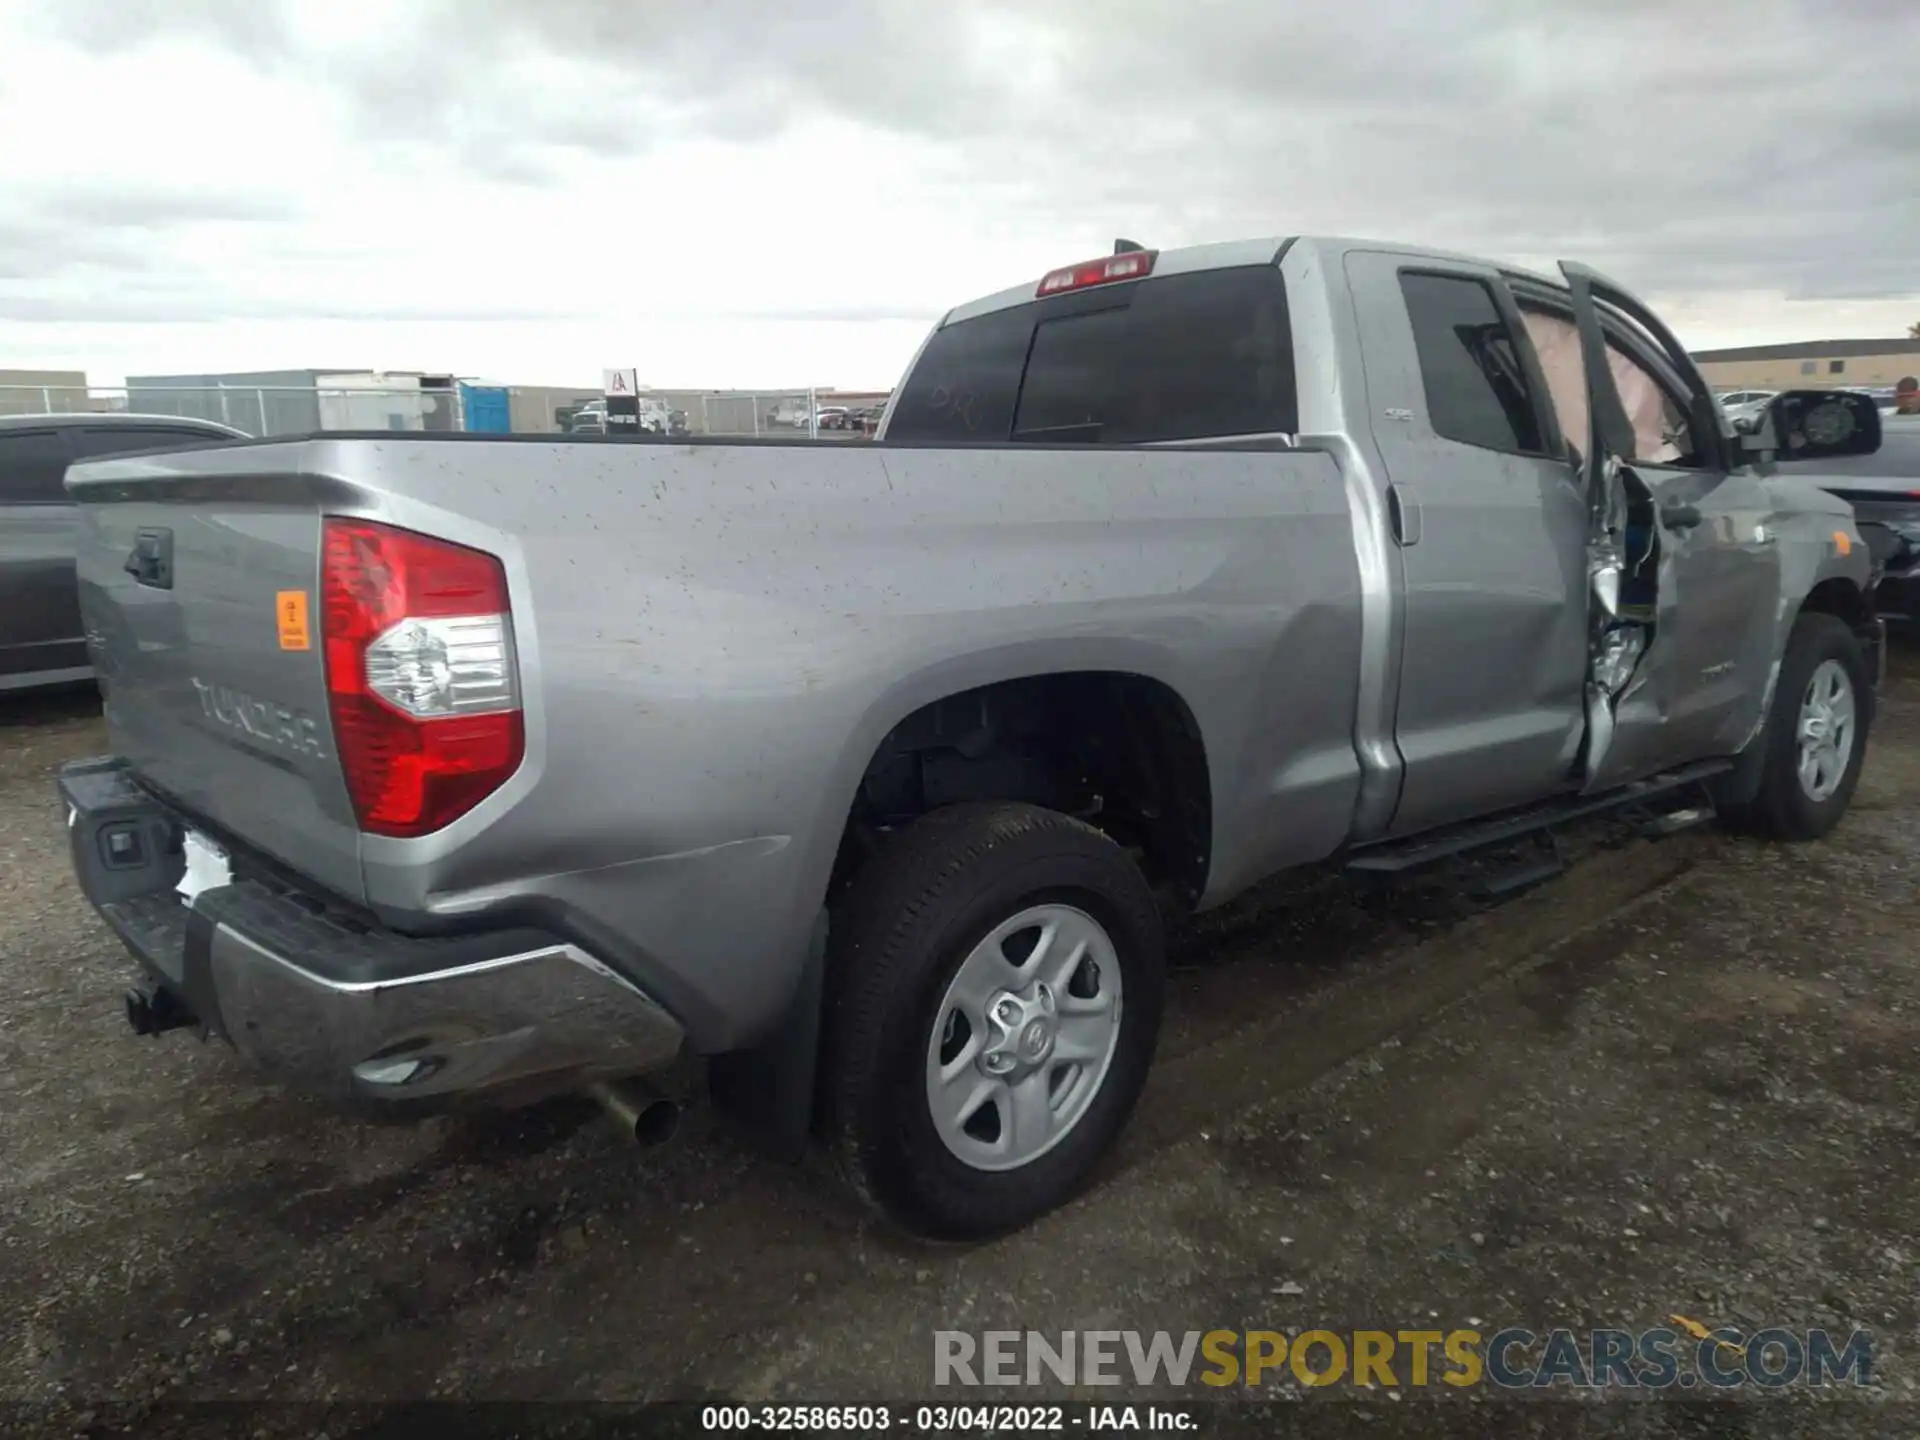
<point>421,674</point>
<point>1131,265</point>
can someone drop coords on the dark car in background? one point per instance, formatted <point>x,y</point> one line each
<point>41,639</point>
<point>1887,510</point>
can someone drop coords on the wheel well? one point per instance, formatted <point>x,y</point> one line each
<point>1842,598</point>
<point>1120,751</point>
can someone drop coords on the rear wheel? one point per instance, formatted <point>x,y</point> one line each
<point>996,985</point>
<point>1815,738</point>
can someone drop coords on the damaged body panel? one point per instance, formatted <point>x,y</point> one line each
<point>1690,587</point>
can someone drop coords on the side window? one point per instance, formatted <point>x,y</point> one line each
<point>1556,340</point>
<point>1661,432</point>
<point>32,463</point>
<point>1476,391</point>
<point>100,440</point>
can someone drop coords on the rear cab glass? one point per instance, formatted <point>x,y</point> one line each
<point>98,440</point>
<point>32,466</point>
<point>1196,356</point>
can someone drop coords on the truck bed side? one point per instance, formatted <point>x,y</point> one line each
<point>714,638</point>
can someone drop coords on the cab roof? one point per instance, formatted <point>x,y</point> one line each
<point>1264,251</point>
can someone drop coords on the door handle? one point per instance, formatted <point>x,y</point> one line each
<point>1680,517</point>
<point>1404,510</point>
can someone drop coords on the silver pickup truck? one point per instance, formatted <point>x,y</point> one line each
<point>483,768</point>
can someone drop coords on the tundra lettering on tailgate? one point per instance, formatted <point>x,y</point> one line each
<point>286,729</point>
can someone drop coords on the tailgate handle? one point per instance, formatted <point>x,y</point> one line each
<point>151,562</point>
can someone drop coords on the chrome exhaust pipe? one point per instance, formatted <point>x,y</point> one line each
<point>647,1116</point>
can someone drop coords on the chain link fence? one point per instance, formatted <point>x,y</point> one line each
<point>267,410</point>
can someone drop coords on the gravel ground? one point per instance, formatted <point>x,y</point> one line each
<point>1682,1079</point>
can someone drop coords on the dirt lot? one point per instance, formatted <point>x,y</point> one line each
<point>1682,1079</point>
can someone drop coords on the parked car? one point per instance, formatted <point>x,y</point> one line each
<point>1885,507</point>
<point>1744,404</point>
<point>869,774</point>
<point>1887,398</point>
<point>41,639</point>
<point>588,419</point>
<point>1887,510</point>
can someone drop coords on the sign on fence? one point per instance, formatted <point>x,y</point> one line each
<point>622,388</point>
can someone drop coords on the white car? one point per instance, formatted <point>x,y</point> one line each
<point>1742,404</point>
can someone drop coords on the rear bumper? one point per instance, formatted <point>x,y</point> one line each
<point>340,1007</point>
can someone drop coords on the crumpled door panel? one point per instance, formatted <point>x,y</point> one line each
<point>1626,418</point>
<point>1624,605</point>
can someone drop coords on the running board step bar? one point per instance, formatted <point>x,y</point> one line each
<point>1397,857</point>
<point>1523,873</point>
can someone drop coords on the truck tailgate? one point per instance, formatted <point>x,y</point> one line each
<point>197,575</point>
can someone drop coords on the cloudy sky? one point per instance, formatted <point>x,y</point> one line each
<point>763,192</point>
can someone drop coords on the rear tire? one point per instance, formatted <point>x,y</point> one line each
<point>953,983</point>
<point>1815,737</point>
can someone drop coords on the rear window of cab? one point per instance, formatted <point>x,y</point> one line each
<point>1204,355</point>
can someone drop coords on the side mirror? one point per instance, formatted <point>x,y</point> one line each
<point>1812,425</point>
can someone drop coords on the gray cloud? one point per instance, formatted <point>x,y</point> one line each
<point>83,246</point>
<point>140,304</point>
<point>32,248</point>
<point>156,299</point>
<point>1699,148</point>
<point>82,226</point>
<point>86,205</point>
<point>257,31</point>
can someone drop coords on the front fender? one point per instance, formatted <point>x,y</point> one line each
<point>1824,565</point>
<point>1822,554</point>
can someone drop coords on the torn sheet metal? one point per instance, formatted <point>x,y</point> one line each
<point>1619,652</point>
<point>1604,564</point>
<point>1618,644</point>
<point>1599,728</point>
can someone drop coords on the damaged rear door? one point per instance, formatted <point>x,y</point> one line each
<point>1682,561</point>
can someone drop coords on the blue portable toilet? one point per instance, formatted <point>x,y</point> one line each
<point>485,409</point>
